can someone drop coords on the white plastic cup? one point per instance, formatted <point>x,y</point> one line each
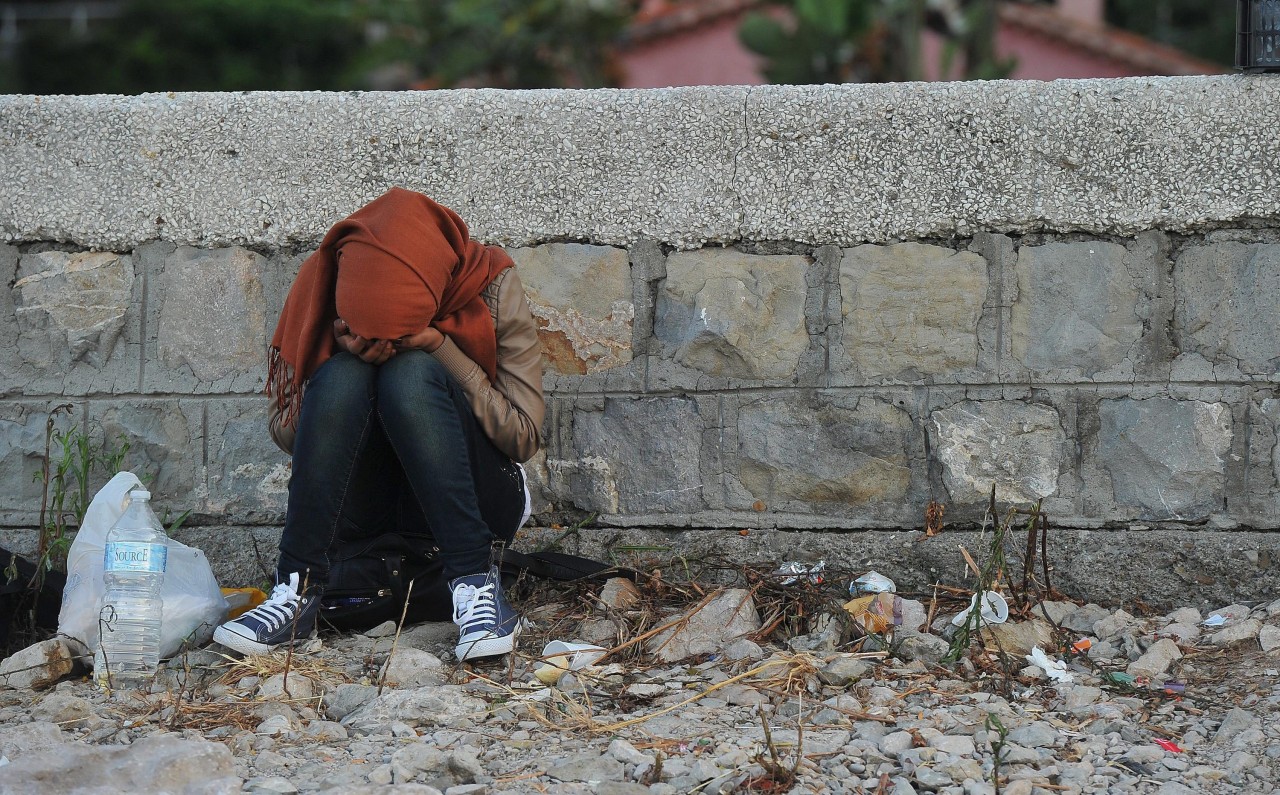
<point>561,656</point>
<point>995,610</point>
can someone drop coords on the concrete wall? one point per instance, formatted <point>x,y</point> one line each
<point>762,307</point>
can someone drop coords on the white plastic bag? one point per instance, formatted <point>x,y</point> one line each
<point>193,602</point>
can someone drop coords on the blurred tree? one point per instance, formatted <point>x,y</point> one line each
<point>868,41</point>
<point>1205,29</point>
<point>233,45</point>
<point>508,43</point>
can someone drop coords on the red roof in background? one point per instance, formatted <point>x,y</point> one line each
<point>656,19</point>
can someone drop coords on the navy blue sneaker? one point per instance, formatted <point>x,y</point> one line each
<point>285,616</point>
<point>487,624</point>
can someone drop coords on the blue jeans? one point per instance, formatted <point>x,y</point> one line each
<point>395,448</point>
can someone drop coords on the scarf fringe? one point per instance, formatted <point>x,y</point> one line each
<point>282,385</point>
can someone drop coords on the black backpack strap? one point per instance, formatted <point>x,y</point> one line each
<point>561,566</point>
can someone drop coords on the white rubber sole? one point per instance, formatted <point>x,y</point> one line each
<point>487,644</point>
<point>239,643</point>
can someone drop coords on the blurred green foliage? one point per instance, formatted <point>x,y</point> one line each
<point>869,41</point>
<point>233,45</point>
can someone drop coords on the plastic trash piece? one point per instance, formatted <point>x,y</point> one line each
<point>876,613</point>
<point>1121,678</point>
<point>872,582</point>
<point>1081,646</point>
<point>559,657</point>
<point>1168,745</point>
<point>791,572</point>
<point>1214,621</point>
<point>242,600</point>
<point>1173,686</point>
<point>995,610</point>
<point>1054,669</point>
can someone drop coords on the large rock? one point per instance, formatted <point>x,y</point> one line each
<point>910,311</point>
<point>208,321</point>
<point>23,739</point>
<point>1017,638</point>
<point>413,668</point>
<point>445,705</point>
<point>1080,307</point>
<point>1157,659</point>
<point>1166,458</point>
<point>827,453</point>
<point>708,627</point>
<point>581,299</point>
<point>732,314</point>
<point>43,664</point>
<point>1228,305</point>
<point>1017,446</point>
<point>164,763</point>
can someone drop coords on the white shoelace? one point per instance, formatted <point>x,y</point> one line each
<point>473,605</point>
<point>280,607</point>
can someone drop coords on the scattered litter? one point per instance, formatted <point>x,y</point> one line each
<point>876,613</point>
<point>791,572</point>
<point>559,656</point>
<point>1054,669</point>
<point>242,600</point>
<point>995,610</point>
<point>1169,745</point>
<point>4,760</point>
<point>1214,621</point>
<point>1121,678</point>
<point>1174,686</point>
<point>1081,646</point>
<point>872,582</point>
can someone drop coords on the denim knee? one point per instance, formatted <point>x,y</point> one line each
<point>342,385</point>
<point>409,380</point>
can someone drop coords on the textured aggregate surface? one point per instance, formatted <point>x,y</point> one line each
<point>828,164</point>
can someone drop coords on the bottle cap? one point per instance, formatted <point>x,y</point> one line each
<point>139,494</point>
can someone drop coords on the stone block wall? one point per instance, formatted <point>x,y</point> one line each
<point>801,308</point>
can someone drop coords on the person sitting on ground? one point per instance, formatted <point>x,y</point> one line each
<point>406,381</point>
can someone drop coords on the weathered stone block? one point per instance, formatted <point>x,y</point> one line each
<point>1228,305</point>
<point>834,453</point>
<point>637,456</point>
<point>1081,308</point>
<point>166,447</point>
<point>208,322</point>
<point>248,475</point>
<point>581,298</point>
<point>910,311</point>
<point>1017,446</point>
<point>1165,457</point>
<point>727,313</point>
<point>75,329</point>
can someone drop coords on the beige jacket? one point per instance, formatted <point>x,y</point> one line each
<point>509,411</point>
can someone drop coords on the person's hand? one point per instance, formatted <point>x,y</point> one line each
<point>427,340</point>
<point>371,351</point>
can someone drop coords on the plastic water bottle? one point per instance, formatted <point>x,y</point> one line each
<point>133,567</point>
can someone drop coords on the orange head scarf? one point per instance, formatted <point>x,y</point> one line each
<point>393,267</point>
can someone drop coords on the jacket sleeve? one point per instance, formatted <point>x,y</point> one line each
<point>510,412</point>
<point>283,435</point>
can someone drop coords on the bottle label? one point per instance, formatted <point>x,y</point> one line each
<point>135,556</point>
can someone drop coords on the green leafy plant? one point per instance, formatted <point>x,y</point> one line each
<point>998,749</point>
<point>71,460</point>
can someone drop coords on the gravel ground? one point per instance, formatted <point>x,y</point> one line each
<point>692,709</point>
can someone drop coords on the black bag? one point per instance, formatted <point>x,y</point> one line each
<point>17,599</point>
<point>369,579</point>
